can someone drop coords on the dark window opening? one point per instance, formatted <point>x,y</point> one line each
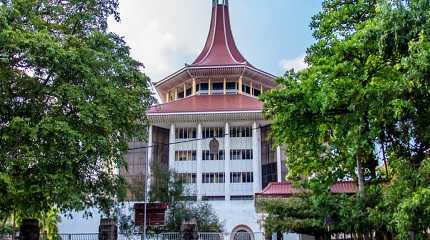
<point>246,89</point>
<point>213,178</point>
<point>245,197</point>
<point>213,198</point>
<point>204,87</point>
<point>189,198</point>
<point>231,86</point>
<point>218,86</point>
<point>206,155</point>
<point>189,92</point>
<point>181,94</point>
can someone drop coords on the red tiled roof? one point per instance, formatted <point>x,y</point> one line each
<point>286,189</point>
<point>220,48</point>
<point>344,187</point>
<point>210,103</point>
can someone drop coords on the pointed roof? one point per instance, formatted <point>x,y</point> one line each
<point>220,48</point>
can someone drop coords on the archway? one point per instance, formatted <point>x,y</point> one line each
<point>242,232</point>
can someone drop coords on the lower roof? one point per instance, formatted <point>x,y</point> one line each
<point>287,189</point>
<point>209,104</point>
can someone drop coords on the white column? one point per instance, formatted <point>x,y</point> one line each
<point>199,162</point>
<point>149,159</point>
<point>256,163</point>
<point>279,163</point>
<point>227,161</point>
<point>172,147</point>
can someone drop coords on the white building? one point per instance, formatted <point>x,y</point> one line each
<point>216,97</point>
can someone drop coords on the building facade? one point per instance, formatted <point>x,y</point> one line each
<point>216,97</point>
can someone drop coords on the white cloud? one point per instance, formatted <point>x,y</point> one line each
<point>297,63</point>
<point>163,34</point>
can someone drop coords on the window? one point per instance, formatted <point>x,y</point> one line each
<point>203,88</point>
<point>241,132</point>
<point>188,198</point>
<point>213,198</point>
<point>171,95</point>
<point>189,91</point>
<point>181,93</point>
<point>257,92</point>
<point>213,177</point>
<point>185,156</point>
<point>241,154</point>
<point>187,178</point>
<point>206,155</point>
<point>246,88</point>
<point>218,87</point>
<point>209,132</point>
<point>244,197</point>
<point>231,86</point>
<point>186,133</point>
<point>241,177</point>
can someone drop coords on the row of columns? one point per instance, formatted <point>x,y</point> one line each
<point>240,90</point>
<point>256,163</point>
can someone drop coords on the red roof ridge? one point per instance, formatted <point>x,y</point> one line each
<point>269,186</point>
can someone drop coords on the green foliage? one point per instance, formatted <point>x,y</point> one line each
<point>164,188</point>
<point>364,99</point>
<point>49,221</point>
<point>167,189</point>
<point>70,98</point>
<point>207,220</point>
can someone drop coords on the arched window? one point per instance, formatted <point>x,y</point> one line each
<point>242,232</point>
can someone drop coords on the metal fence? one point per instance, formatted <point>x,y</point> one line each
<point>79,236</point>
<point>168,236</point>
<point>150,236</point>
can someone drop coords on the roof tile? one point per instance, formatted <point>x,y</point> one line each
<point>210,103</point>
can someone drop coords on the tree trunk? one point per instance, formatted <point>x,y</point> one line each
<point>279,236</point>
<point>29,230</point>
<point>13,226</point>
<point>360,177</point>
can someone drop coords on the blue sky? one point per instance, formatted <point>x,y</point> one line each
<point>165,34</point>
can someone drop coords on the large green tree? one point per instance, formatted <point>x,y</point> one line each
<point>363,101</point>
<point>70,98</point>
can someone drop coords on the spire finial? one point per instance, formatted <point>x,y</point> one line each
<point>219,2</point>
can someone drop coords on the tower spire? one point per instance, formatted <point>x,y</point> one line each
<point>220,47</point>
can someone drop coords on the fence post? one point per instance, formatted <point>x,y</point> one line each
<point>108,230</point>
<point>29,230</point>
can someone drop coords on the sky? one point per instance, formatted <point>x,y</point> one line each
<point>273,35</point>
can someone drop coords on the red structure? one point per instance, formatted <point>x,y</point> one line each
<point>215,103</point>
<point>155,214</point>
<point>220,59</point>
<point>286,189</point>
<point>220,48</point>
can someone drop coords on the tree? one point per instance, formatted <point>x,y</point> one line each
<point>70,99</point>
<point>363,100</point>
<point>168,189</point>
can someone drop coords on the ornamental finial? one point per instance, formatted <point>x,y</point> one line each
<point>219,2</point>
